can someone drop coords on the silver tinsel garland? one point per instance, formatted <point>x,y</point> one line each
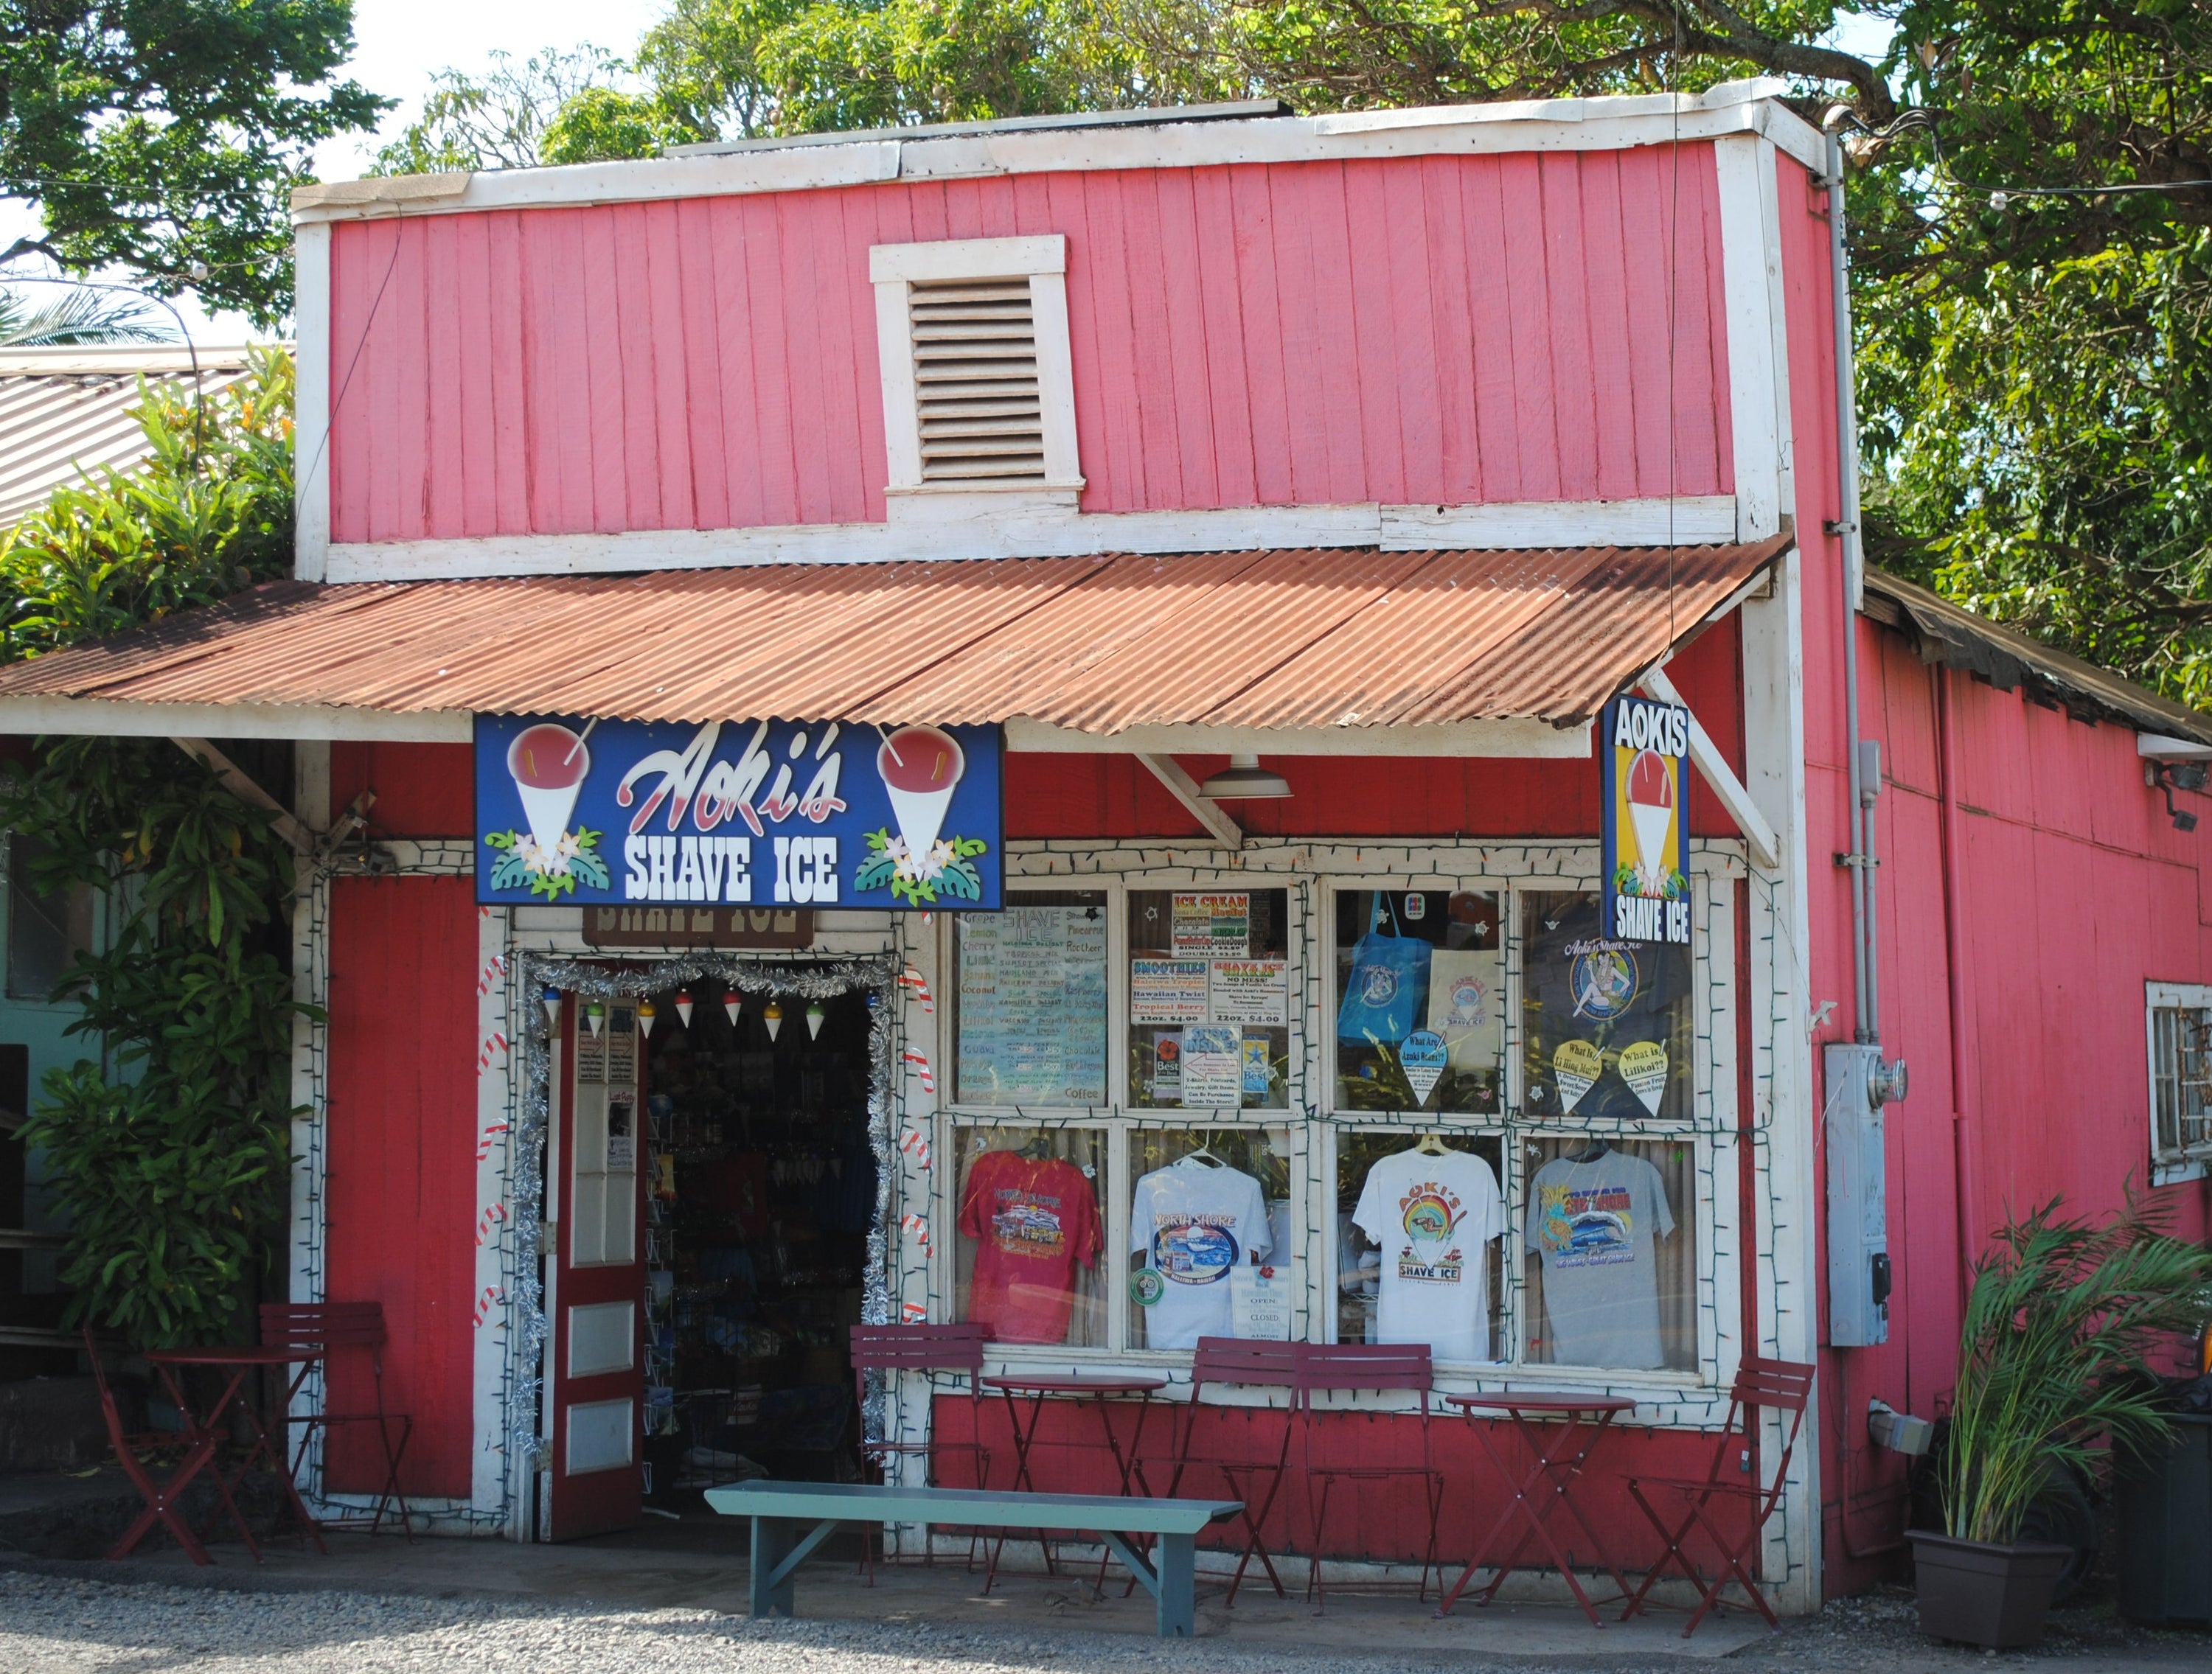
<point>813,979</point>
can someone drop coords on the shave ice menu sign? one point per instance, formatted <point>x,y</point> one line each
<point>737,813</point>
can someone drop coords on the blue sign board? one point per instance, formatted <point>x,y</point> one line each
<point>1643,752</point>
<point>730,813</point>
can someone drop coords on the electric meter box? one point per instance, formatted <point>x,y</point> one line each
<point>1859,1199</point>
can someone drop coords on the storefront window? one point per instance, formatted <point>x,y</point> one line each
<point>1209,992</point>
<point>1028,1235</point>
<point>1606,1024</point>
<point>1419,1254</point>
<point>1032,1002</point>
<point>1610,1250</point>
<point>1212,1252</point>
<point>1420,998</point>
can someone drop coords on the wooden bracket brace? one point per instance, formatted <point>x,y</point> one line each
<point>302,839</point>
<point>1712,767</point>
<point>1216,820</point>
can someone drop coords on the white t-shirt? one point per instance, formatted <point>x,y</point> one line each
<point>1193,1221</point>
<point>1595,1223</point>
<point>1434,1217</point>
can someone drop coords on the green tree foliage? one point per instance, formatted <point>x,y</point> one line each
<point>510,116</point>
<point>163,134</point>
<point>71,318</point>
<point>170,1159</point>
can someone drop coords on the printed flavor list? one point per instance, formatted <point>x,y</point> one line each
<point>1033,1006</point>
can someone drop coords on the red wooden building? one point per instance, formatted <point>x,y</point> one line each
<point>1384,448</point>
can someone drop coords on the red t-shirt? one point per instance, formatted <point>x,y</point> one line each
<point>1033,1219</point>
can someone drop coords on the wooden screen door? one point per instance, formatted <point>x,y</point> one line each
<point>598,1372</point>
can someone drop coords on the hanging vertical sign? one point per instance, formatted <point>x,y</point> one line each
<point>1643,753</point>
<point>745,813</point>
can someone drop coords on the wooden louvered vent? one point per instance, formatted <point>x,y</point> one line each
<point>976,381</point>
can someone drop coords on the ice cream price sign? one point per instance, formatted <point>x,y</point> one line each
<point>1644,748</point>
<point>763,814</point>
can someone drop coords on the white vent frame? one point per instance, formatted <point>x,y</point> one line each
<point>1042,260</point>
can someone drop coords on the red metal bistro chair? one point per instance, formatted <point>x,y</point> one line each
<point>1231,1360</point>
<point>889,1349</point>
<point>1782,1386</point>
<point>339,1328</point>
<point>1381,1366</point>
<point>163,1500</point>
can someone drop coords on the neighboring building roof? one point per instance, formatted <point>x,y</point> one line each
<point>1243,110</point>
<point>1960,639</point>
<point>67,411</point>
<point>1340,639</point>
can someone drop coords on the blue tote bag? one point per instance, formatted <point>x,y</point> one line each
<point>1387,994</point>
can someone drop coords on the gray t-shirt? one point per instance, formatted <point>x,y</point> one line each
<point>1595,1223</point>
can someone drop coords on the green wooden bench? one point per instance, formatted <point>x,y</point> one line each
<point>782,1540</point>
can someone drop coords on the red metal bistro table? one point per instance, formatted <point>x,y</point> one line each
<point>1098,1390</point>
<point>205,1434</point>
<point>1560,1430</point>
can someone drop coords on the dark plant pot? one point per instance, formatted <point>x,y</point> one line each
<point>1983,1594</point>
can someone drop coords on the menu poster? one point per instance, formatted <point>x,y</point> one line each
<point>591,1053</point>
<point>1256,992</point>
<point>621,1044</point>
<point>1033,1006</point>
<point>1168,993</point>
<point>1212,1067</point>
<point>1213,926</point>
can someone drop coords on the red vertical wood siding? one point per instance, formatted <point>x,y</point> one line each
<point>1448,329</point>
<point>422,790</point>
<point>400,1166</point>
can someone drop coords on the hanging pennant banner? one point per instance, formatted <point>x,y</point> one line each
<point>754,813</point>
<point>1643,752</point>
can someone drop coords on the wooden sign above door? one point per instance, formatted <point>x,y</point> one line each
<point>698,927</point>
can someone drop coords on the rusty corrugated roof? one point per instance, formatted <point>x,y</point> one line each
<point>1270,639</point>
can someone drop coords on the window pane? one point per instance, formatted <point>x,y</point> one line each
<point>1029,1233</point>
<point>2166,1086</point>
<point>1209,999</point>
<point>1205,1206</point>
<point>1428,963</point>
<point>1611,1252</point>
<point>1032,1002</point>
<point>1418,1255</point>
<point>1607,1022</point>
<point>46,933</point>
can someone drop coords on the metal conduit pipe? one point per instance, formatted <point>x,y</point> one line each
<point>1867,1018</point>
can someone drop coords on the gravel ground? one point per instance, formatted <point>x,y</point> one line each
<point>60,1625</point>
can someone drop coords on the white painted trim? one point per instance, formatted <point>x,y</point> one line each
<point>992,529</point>
<point>968,258</point>
<point>114,718</point>
<point>1687,520</point>
<point>1518,737</point>
<point>1200,807</point>
<point>1055,364</point>
<point>2156,747</point>
<point>894,369</point>
<point>1758,354</point>
<point>1561,125</point>
<point>1712,766</point>
<point>310,421</point>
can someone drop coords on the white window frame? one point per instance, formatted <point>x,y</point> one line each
<point>2170,1164</point>
<point>1042,260</point>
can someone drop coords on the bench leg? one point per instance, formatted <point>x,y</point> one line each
<point>1177,1615</point>
<point>772,1595</point>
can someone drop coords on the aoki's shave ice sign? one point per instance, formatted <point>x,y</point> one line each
<point>760,814</point>
<point>1644,749</point>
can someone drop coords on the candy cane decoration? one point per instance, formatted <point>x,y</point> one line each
<point>915,1145</point>
<point>485,1139</point>
<point>910,980</point>
<point>492,1297</point>
<point>494,967</point>
<point>493,1217</point>
<point>912,1055</point>
<point>914,1313</point>
<point>495,1044</point>
<point>918,1226</point>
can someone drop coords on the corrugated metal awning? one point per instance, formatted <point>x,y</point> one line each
<point>65,413</point>
<point>1477,652</point>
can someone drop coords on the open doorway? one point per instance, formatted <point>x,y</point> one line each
<point>760,1194</point>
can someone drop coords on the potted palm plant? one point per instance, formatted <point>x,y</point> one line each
<point>2055,1358</point>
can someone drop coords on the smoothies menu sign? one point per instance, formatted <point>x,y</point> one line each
<point>737,813</point>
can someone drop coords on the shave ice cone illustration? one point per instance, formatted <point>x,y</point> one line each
<point>548,762</point>
<point>921,768</point>
<point>1651,815</point>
